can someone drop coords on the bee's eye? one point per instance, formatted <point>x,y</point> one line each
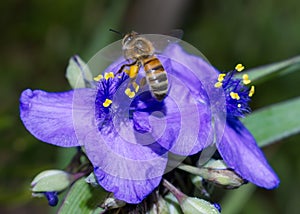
<point>128,39</point>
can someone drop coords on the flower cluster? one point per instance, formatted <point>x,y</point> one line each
<point>128,138</point>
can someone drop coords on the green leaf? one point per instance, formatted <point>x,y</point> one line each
<point>83,198</point>
<point>78,73</point>
<point>112,17</point>
<point>274,122</point>
<point>262,73</point>
<point>235,200</point>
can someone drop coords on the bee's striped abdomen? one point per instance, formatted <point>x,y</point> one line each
<point>156,77</point>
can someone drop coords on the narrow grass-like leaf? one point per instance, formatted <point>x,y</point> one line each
<point>112,18</point>
<point>274,122</point>
<point>265,72</point>
<point>235,200</point>
<point>83,198</point>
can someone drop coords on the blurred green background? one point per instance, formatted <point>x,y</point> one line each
<point>38,38</point>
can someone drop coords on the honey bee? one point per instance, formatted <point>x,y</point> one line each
<point>141,51</point>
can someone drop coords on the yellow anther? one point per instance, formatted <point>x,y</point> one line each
<point>221,77</point>
<point>239,105</point>
<point>107,103</point>
<point>234,96</point>
<point>246,80</point>
<point>252,90</point>
<point>135,86</point>
<point>109,75</point>
<point>98,78</point>
<point>239,67</point>
<point>218,85</point>
<point>129,93</point>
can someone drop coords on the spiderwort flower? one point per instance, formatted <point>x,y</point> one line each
<point>126,136</point>
<point>237,146</point>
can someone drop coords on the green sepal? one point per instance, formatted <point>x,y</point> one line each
<point>196,205</point>
<point>51,181</point>
<point>78,73</point>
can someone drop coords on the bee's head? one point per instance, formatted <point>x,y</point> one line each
<point>128,38</point>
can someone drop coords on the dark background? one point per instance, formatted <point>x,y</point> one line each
<point>38,38</point>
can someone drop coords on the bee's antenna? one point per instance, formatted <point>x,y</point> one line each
<point>115,31</point>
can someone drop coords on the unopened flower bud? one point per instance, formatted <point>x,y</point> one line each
<point>51,181</point>
<point>111,202</point>
<point>196,205</point>
<point>91,179</point>
<point>216,171</point>
<point>191,205</point>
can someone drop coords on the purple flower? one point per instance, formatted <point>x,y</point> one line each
<point>234,142</point>
<point>128,139</point>
<point>52,198</point>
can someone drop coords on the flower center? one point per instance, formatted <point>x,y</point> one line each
<point>237,92</point>
<point>105,104</point>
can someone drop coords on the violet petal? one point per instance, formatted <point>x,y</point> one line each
<point>49,116</point>
<point>241,153</point>
<point>125,166</point>
<point>131,191</point>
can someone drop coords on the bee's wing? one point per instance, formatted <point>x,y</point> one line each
<point>177,33</point>
<point>105,57</point>
<point>112,51</point>
<point>160,41</point>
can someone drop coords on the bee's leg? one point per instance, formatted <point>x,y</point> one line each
<point>125,65</point>
<point>143,82</point>
<point>132,73</point>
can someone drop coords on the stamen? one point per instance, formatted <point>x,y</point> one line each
<point>237,92</point>
<point>98,78</point>
<point>107,103</point>
<point>239,67</point>
<point>218,85</point>
<point>221,77</point>
<point>252,90</point>
<point>234,96</point>
<point>246,80</point>
<point>135,86</point>
<point>109,75</point>
<point>129,93</point>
